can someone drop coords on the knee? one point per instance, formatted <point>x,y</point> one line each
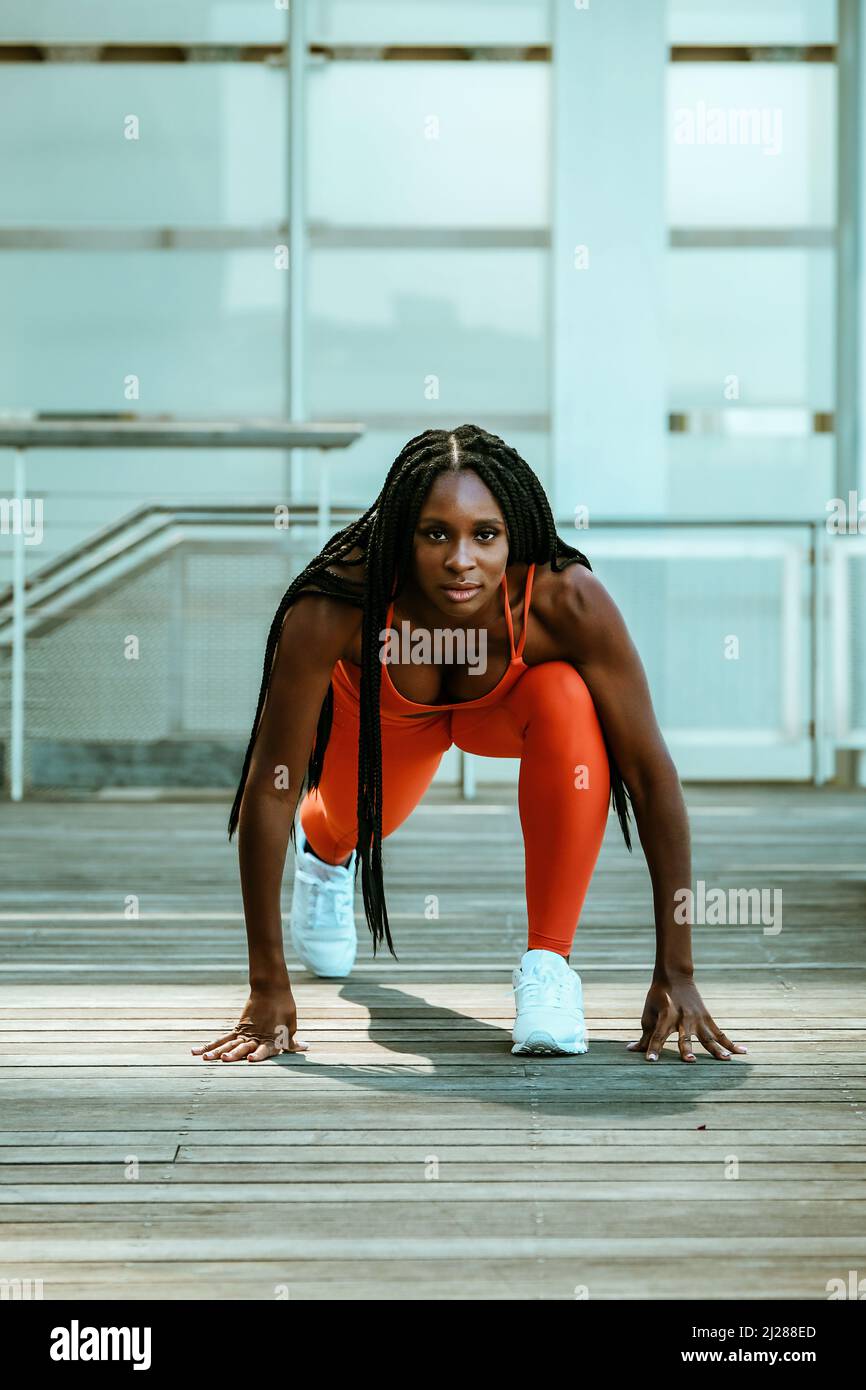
<point>559,693</point>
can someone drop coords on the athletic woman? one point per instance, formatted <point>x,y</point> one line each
<point>459,544</point>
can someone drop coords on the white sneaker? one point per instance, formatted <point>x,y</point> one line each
<point>549,1000</point>
<point>323,916</point>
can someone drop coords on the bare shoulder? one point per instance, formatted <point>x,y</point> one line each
<point>577,612</point>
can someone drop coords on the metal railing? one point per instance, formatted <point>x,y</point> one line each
<point>790,587</point>
<point>163,432</point>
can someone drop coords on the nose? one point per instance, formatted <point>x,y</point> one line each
<point>461,561</point>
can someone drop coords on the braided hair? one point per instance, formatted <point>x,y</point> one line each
<point>385,534</point>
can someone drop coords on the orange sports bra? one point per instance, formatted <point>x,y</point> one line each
<point>347,676</point>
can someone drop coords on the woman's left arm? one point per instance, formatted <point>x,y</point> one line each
<point>599,646</point>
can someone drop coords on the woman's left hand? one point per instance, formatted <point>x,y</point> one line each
<point>676,1006</point>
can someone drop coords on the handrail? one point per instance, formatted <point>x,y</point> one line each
<point>171,512</point>
<point>119,545</point>
<point>21,431</point>
<point>237,512</point>
<point>150,530</point>
<point>168,432</point>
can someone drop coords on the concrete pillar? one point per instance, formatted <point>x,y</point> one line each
<point>609,238</point>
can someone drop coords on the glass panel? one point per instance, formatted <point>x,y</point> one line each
<point>88,489</point>
<point>752,21</point>
<point>751,328</point>
<point>750,144</point>
<point>203,332</point>
<point>689,605</point>
<point>211,147</point>
<point>226,21</point>
<point>689,591</point>
<point>435,332</point>
<point>264,21</point>
<point>430,21</point>
<point>716,477</point>
<point>429,144</point>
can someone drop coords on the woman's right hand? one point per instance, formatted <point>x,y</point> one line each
<point>267,1011</point>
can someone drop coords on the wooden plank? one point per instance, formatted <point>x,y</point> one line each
<point>789,1197</point>
<point>798,1179</point>
<point>514,1139</point>
<point>92,1241</point>
<point>609,1276</point>
<point>408,1113</point>
<point>311,1169</point>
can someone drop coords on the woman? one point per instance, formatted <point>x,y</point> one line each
<point>460,541</point>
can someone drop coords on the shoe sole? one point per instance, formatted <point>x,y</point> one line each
<point>543,1044</point>
<point>327,974</point>
<point>340,974</point>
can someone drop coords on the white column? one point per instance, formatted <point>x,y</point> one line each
<point>297,219</point>
<point>850,282</point>
<point>609,406</point>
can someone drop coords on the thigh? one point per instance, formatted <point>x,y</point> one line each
<point>493,732</point>
<point>411,752</point>
<point>551,699</point>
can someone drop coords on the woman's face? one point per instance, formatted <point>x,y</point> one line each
<point>460,544</point>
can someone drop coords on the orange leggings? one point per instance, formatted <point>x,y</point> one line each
<point>548,720</point>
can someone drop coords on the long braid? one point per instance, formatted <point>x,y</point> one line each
<point>385,535</point>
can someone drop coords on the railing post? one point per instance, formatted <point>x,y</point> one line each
<point>324,518</point>
<point>19,601</point>
<point>467,776</point>
<point>791,623</point>
<point>177,612</point>
<point>823,763</point>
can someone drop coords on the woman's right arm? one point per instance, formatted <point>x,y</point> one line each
<point>314,635</point>
<point>316,632</point>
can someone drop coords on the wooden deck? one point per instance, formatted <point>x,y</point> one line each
<point>408,1154</point>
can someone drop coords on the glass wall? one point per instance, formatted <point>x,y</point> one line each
<point>429,156</point>
<point>454,157</point>
<point>751,140</point>
<point>429,212</point>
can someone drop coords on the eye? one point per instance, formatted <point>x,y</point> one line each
<point>486,531</point>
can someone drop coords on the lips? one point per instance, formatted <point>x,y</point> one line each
<point>466,590</point>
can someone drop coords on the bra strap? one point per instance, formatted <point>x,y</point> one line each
<point>508,618</point>
<point>527,600</point>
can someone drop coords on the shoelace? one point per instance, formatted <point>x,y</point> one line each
<point>543,986</point>
<point>323,892</point>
